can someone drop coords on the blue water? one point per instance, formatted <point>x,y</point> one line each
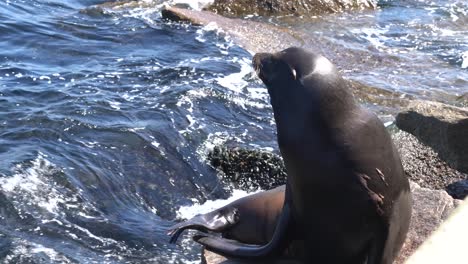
<point>106,118</point>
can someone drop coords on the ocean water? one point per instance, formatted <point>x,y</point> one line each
<point>106,118</point>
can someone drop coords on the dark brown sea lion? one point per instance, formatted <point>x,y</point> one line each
<point>346,190</point>
<point>251,219</point>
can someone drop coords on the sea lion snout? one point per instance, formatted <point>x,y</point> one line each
<point>271,68</point>
<point>262,63</point>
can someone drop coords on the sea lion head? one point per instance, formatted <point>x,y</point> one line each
<point>300,82</point>
<point>291,64</point>
<point>307,93</point>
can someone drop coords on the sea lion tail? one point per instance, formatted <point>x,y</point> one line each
<point>236,249</point>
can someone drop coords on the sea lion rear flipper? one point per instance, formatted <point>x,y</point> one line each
<point>225,245</point>
<point>216,221</point>
<point>236,249</point>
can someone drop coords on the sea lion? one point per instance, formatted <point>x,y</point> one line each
<point>251,219</point>
<point>346,190</point>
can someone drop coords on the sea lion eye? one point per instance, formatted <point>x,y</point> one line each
<point>294,74</point>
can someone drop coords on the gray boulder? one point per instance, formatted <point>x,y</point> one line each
<point>442,127</point>
<point>430,209</point>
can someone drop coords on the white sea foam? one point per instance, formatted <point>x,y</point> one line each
<point>188,100</point>
<point>242,102</point>
<point>157,145</point>
<point>258,93</point>
<point>115,105</point>
<point>22,248</point>
<point>464,58</point>
<point>214,139</point>
<point>187,212</point>
<point>235,81</point>
<point>35,192</point>
<point>374,35</point>
<point>89,144</point>
<point>34,188</point>
<point>212,26</point>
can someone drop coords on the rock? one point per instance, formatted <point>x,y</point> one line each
<point>430,209</point>
<point>281,8</point>
<point>448,243</point>
<point>247,34</point>
<point>458,189</point>
<point>209,257</point>
<point>462,100</point>
<point>424,166</point>
<point>103,8</point>
<point>442,127</point>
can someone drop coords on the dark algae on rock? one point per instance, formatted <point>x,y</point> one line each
<point>248,169</point>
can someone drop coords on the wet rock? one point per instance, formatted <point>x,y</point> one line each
<point>458,189</point>
<point>430,209</point>
<point>448,243</point>
<point>247,34</point>
<point>281,8</point>
<point>442,127</point>
<point>424,166</point>
<point>209,257</point>
<point>462,100</point>
<point>103,8</point>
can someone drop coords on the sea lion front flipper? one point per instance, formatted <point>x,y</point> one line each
<point>216,221</point>
<point>236,249</point>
